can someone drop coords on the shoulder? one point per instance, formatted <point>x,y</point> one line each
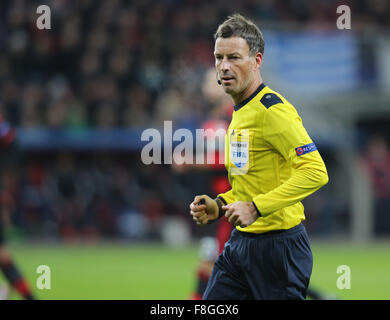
<point>274,102</point>
<point>267,99</point>
<point>270,99</point>
<point>278,112</point>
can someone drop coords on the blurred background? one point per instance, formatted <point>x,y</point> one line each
<point>80,95</point>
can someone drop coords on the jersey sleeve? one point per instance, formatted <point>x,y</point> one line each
<point>227,197</point>
<point>284,131</point>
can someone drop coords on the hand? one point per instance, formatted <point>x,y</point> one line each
<point>241,213</point>
<point>204,213</point>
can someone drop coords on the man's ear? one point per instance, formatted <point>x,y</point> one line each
<point>258,60</point>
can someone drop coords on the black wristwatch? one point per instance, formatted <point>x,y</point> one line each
<point>220,202</point>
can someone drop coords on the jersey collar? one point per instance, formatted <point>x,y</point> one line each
<point>254,94</point>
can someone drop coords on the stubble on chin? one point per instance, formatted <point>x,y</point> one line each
<point>229,90</point>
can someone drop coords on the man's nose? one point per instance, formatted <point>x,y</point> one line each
<point>225,65</point>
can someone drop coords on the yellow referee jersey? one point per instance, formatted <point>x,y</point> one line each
<point>271,161</point>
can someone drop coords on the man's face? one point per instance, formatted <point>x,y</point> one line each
<point>235,66</point>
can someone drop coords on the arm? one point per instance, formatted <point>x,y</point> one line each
<point>227,197</point>
<point>284,131</point>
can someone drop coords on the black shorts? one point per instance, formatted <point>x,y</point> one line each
<point>276,265</point>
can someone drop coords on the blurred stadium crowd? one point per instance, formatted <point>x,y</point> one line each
<point>118,63</point>
<point>130,64</point>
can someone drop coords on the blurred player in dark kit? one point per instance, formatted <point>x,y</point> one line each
<point>9,154</point>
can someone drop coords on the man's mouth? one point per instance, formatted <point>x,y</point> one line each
<point>227,79</point>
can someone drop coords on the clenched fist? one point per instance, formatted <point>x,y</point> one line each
<point>204,209</point>
<point>241,213</point>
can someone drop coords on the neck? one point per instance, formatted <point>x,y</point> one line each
<point>237,99</point>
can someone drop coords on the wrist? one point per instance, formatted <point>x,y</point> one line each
<point>256,210</point>
<point>220,211</point>
<point>220,203</point>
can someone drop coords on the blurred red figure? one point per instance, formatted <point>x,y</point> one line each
<point>376,159</point>
<point>209,250</point>
<point>8,157</point>
<point>221,110</point>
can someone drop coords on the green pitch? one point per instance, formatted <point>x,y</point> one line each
<point>154,272</point>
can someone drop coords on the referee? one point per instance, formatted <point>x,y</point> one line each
<point>272,165</point>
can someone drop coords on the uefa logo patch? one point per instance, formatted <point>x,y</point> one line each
<point>305,149</point>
